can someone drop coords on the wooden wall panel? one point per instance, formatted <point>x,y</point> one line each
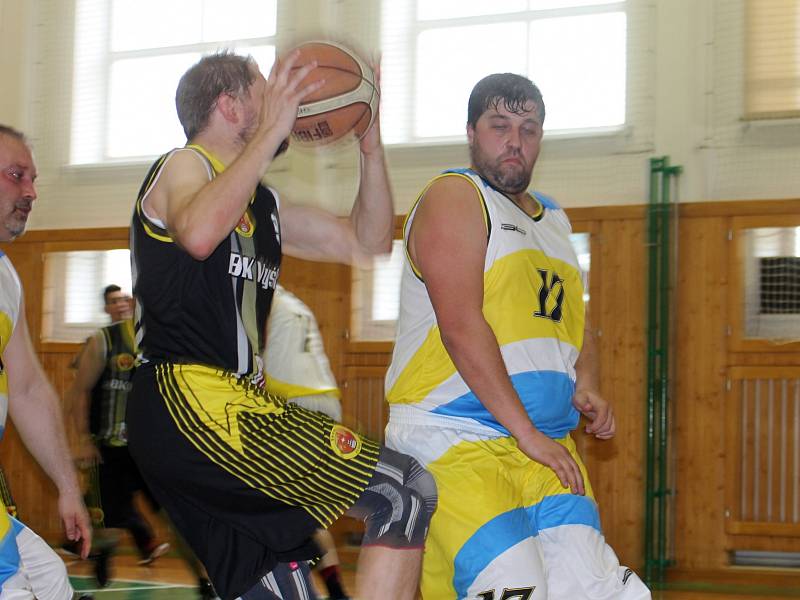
<point>616,466</point>
<point>325,288</point>
<point>701,303</point>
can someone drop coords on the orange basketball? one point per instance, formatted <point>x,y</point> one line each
<point>347,102</point>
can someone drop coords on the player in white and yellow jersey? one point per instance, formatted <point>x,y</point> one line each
<point>491,369</point>
<point>28,567</point>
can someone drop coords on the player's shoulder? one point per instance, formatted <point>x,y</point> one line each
<point>185,164</point>
<point>458,184</point>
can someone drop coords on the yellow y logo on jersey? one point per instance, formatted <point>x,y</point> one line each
<point>552,287</point>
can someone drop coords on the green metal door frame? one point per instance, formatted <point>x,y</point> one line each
<point>660,216</point>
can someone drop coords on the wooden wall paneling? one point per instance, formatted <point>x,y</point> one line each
<point>325,288</point>
<point>765,430</point>
<point>615,466</point>
<point>701,301</point>
<point>364,407</point>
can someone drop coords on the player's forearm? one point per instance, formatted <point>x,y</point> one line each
<point>38,419</point>
<point>473,348</point>
<point>373,212</point>
<point>587,367</point>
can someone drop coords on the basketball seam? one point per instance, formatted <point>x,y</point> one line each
<point>358,94</point>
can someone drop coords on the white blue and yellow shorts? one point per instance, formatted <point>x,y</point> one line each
<point>505,528</point>
<point>28,566</point>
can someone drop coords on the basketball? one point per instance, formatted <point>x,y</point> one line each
<point>346,103</point>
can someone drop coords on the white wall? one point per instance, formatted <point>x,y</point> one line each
<point>684,100</point>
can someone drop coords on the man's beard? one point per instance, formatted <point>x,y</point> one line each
<point>15,225</point>
<point>247,132</point>
<point>505,179</point>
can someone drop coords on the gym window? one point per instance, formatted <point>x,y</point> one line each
<point>72,308</point>
<point>433,51</point>
<point>765,276</point>
<point>128,57</point>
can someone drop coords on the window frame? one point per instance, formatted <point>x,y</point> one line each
<point>739,342</point>
<point>417,27</point>
<point>45,346</point>
<point>107,57</point>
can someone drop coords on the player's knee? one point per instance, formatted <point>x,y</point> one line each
<point>402,498</point>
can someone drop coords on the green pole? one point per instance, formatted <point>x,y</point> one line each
<point>652,284</point>
<point>663,385</point>
<point>664,493</point>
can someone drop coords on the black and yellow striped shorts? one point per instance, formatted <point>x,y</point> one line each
<point>246,477</point>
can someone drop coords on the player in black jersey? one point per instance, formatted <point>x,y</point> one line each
<point>246,477</point>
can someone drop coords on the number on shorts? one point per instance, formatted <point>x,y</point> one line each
<point>509,593</point>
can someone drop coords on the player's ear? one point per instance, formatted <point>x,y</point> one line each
<point>470,133</point>
<point>228,106</point>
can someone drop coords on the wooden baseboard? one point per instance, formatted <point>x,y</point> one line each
<point>739,576</point>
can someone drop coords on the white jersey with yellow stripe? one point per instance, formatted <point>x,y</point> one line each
<point>295,362</point>
<point>533,301</point>
<point>10,298</point>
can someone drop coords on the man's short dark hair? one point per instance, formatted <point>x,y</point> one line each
<point>514,91</point>
<point>110,289</point>
<point>201,86</point>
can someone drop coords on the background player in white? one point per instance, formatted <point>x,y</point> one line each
<point>298,369</point>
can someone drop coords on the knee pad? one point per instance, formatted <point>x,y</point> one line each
<point>398,503</point>
<point>286,580</point>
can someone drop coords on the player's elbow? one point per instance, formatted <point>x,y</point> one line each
<point>199,247</point>
<point>454,337</point>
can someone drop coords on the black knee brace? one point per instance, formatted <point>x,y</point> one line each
<point>398,504</point>
<point>287,581</point>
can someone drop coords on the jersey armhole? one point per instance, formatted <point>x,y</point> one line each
<point>409,217</point>
<point>152,225</point>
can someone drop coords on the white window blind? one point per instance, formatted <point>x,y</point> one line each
<point>434,51</point>
<point>376,297</point>
<point>772,80</point>
<point>129,56</point>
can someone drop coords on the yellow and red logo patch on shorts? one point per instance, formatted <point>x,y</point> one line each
<point>344,442</point>
<point>125,362</point>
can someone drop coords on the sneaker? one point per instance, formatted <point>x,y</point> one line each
<point>206,590</point>
<point>100,544</point>
<point>159,550</point>
<point>70,548</point>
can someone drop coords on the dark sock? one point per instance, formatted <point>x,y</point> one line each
<point>333,582</point>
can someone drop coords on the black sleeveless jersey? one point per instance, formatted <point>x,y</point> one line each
<point>213,311</point>
<point>109,396</point>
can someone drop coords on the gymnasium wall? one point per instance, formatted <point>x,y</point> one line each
<point>702,527</point>
<point>685,86</point>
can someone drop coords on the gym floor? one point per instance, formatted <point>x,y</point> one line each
<point>168,578</point>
